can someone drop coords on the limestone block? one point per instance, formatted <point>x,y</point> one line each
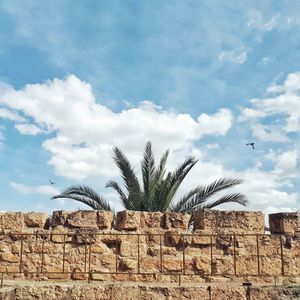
<point>35,220</point>
<point>128,249</point>
<point>176,220</point>
<point>211,221</point>
<point>10,258</point>
<point>128,220</point>
<point>151,219</point>
<point>246,265</point>
<point>105,219</point>
<point>82,219</point>
<point>270,265</point>
<point>12,221</point>
<point>127,264</point>
<point>202,264</point>
<point>171,264</point>
<point>284,223</point>
<point>58,233</point>
<point>58,218</point>
<point>172,238</point>
<point>222,265</point>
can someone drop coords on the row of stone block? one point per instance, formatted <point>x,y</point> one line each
<point>204,221</point>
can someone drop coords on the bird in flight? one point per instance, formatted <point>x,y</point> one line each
<point>51,182</point>
<point>251,144</point>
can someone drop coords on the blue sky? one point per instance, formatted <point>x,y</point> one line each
<point>197,77</point>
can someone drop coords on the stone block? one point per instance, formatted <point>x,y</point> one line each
<point>12,221</point>
<point>35,220</point>
<point>151,219</point>
<point>58,218</point>
<point>128,220</point>
<point>105,219</point>
<point>284,223</point>
<point>82,219</point>
<point>202,264</point>
<point>211,221</point>
<point>176,220</point>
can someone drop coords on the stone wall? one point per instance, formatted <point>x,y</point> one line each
<point>142,246</point>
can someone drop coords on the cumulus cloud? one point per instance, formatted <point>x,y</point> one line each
<point>10,115</point>
<point>85,130</point>
<point>283,104</point>
<point>29,129</point>
<point>40,189</point>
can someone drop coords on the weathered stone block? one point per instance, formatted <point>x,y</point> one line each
<point>10,258</point>
<point>105,219</point>
<point>82,219</point>
<point>58,218</point>
<point>176,220</point>
<point>211,221</point>
<point>12,221</point>
<point>35,220</point>
<point>128,220</point>
<point>151,219</point>
<point>284,223</point>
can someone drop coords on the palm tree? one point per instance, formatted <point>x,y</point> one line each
<point>158,189</point>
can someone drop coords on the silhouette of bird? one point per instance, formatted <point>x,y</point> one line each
<point>51,182</point>
<point>251,144</point>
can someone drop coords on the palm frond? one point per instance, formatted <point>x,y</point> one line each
<point>124,199</point>
<point>175,180</point>
<point>130,180</point>
<point>86,195</point>
<point>205,192</point>
<point>235,197</point>
<point>148,174</point>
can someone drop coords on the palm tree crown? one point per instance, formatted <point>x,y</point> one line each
<point>158,188</point>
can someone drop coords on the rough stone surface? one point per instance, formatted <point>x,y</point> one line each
<point>284,223</point>
<point>228,222</point>
<point>66,291</point>
<point>35,220</point>
<point>128,220</point>
<point>82,219</point>
<point>12,221</point>
<point>151,220</point>
<point>79,242</point>
<point>176,220</point>
<point>104,219</point>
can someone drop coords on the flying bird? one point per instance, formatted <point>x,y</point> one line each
<point>251,144</point>
<point>51,182</point>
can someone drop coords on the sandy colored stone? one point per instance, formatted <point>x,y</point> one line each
<point>171,264</point>
<point>105,219</point>
<point>82,219</point>
<point>211,221</point>
<point>12,221</point>
<point>59,234</point>
<point>35,220</point>
<point>151,220</point>
<point>176,220</point>
<point>202,264</point>
<point>284,223</point>
<point>58,218</point>
<point>10,258</point>
<point>128,220</point>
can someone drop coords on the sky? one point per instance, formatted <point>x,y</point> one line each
<point>200,78</point>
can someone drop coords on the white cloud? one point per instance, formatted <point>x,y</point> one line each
<point>10,115</point>
<point>285,163</point>
<point>284,106</point>
<point>268,134</point>
<point>40,189</point>
<point>29,129</point>
<point>233,57</point>
<point>86,130</point>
